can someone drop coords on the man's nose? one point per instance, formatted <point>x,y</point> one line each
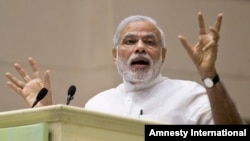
<point>140,47</point>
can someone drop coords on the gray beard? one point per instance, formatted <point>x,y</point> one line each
<point>139,76</point>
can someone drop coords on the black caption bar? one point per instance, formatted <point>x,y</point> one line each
<point>190,132</point>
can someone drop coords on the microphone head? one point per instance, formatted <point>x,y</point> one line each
<point>42,94</point>
<point>71,90</point>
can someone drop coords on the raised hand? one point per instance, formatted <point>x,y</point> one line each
<point>204,52</point>
<point>30,86</point>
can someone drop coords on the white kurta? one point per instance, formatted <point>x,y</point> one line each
<point>164,100</point>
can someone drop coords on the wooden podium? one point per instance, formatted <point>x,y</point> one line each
<point>68,123</point>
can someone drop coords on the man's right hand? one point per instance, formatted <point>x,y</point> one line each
<point>29,87</point>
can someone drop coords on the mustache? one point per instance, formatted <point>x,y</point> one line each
<point>139,57</point>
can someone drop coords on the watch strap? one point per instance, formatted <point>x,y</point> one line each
<point>216,79</point>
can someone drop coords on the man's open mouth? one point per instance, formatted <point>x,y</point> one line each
<point>140,62</point>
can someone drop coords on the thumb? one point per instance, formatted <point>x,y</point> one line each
<point>47,79</point>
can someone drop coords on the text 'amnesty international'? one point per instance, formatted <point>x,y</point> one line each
<point>186,131</point>
<point>200,132</point>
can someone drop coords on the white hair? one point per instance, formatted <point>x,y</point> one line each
<point>130,19</point>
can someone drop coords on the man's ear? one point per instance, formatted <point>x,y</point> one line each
<point>114,53</point>
<point>163,54</point>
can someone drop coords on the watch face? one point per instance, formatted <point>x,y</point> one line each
<point>208,82</point>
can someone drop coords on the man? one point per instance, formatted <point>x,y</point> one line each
<point>139,53</point>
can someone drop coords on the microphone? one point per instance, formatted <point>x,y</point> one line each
<point>40,96</point>
<point>71,92</point>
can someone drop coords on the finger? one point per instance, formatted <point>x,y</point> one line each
<point>211,44</point>
<point>201,24</point>
<point>34,67</point>
<point>218,22</point>
<point>185,44</point>
<point>18,90</point>
<point>22,72</point>
<point>48,99</point>
<point>215,34</point>
<point>14,80</point>
<point>47,80</point>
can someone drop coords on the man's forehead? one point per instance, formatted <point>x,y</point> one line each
<point>140,27</point>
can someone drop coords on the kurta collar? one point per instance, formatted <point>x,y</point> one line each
<point>130,87</point>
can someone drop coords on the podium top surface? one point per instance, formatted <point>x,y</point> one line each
<point>71,115</point>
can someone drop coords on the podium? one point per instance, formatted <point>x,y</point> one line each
<point>68,123</point>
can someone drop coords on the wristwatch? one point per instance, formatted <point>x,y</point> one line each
<point>210,82</point>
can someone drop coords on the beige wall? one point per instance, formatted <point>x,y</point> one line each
<point>73,38</point>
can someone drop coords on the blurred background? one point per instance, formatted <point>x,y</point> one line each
<point>73,38</point>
